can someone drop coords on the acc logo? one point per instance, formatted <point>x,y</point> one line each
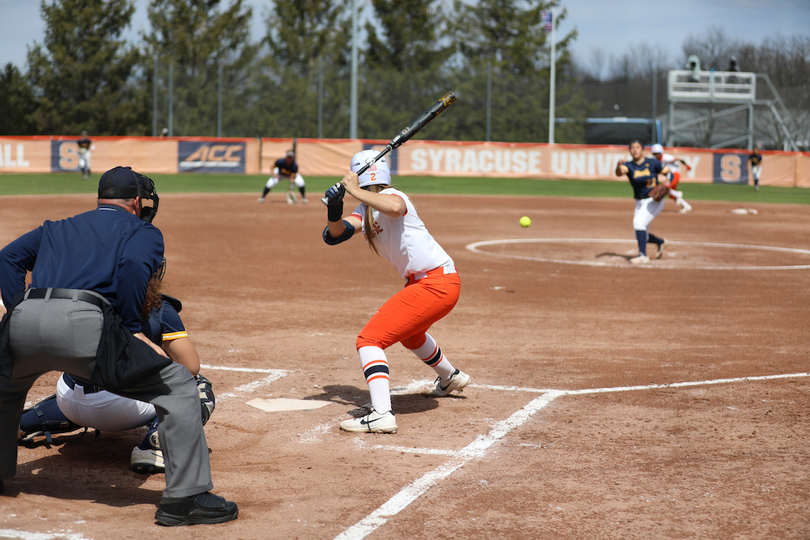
<point>211,157</point>
<point>730,169</point>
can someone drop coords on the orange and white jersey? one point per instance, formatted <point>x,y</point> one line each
<point>405,241</point>
<point>668,160</point>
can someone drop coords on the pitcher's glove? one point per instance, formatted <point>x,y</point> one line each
<point>659,191</point>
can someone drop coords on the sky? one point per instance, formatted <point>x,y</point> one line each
<point>662,24</point>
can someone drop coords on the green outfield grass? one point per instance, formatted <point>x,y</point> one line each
<point>56,183</point>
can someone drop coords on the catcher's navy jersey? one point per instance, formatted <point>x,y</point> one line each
<point>643,176</point>
<point>164,324</point>
<point>284,169</point>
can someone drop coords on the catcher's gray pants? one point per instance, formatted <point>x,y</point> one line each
<point>63,335</point>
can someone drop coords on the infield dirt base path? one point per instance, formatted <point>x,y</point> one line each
<point>548,441</point>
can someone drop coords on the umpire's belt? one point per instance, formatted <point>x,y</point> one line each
<point>68,294</point>
<point>86,386</point>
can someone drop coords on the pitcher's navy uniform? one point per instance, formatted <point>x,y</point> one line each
<point>644,177</point>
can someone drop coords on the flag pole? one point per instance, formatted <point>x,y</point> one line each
<point>553,80</point>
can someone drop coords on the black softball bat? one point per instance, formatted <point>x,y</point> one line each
<point>413,128</point>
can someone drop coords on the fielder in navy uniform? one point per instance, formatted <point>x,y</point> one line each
<point>78,404</point>
<point>82,315</point>
<point>85,145</point>
<point>755,159</point>
<point>286,168</point>
<point>643,175</point>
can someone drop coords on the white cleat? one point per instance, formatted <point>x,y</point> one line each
<point>261,199</point>
<point>458,380</point>
<point>686,208</point>
<point>373,422</point>
<point>641,259</point>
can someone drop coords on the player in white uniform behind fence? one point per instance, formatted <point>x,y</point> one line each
<point>672,163</point>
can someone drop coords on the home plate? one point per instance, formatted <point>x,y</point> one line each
<point>285,404</point>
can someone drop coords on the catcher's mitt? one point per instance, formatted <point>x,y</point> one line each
<point>659,191</point>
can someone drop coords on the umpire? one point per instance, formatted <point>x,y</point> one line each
<point>81,315</point>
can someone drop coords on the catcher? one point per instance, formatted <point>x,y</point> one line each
<point>649,193</point>
<point>78,404</point>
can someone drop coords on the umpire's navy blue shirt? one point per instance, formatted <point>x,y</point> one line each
<point>106,250</point>
<point>643,176</point>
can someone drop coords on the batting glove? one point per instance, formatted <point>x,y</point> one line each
<point>335,193</point>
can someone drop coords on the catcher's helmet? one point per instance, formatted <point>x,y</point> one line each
<point>378,174</point>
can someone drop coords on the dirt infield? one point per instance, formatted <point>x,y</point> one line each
<point>608,401</point>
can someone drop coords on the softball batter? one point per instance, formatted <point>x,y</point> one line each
<point>643,174</point>
<point>389,221</point>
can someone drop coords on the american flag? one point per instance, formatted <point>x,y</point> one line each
<point>547,20</point>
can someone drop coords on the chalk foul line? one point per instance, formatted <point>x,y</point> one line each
<point>482,443</point>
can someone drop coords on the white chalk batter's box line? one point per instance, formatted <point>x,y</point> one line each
<point>482,443</point>
<point>475,248</point>
<point>476,449</point>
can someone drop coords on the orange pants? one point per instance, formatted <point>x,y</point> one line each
<point>407,315</point>
<point>676,176</point>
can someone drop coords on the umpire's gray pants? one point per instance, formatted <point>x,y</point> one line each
<point>63,335</point>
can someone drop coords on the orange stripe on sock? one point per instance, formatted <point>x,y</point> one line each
<point>374,362</point>
<point>378,376</point>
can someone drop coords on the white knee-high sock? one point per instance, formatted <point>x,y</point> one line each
<point>432,355</point>
<point>375,369</point>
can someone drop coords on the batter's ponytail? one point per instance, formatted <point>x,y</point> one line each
<point>368,220</point>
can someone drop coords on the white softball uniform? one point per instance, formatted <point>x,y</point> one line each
<point>405,241</point>
<point>668,160</point>
<point>84,158</point>
<point>276,178</point>
<point>102,410</point>
<point>646,210</point>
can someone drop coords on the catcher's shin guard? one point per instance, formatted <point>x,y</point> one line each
<point>43,420</point>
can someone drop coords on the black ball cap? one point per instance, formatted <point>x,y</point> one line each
<point>119,183</point>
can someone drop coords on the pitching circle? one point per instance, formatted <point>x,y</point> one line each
<point>476,247</point>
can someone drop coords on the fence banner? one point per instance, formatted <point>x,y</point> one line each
<point>25,154</point>
<point>330,157</point>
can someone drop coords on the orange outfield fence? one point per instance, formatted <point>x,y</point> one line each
<point>330,157</point>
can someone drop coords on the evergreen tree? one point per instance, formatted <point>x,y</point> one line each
<point>299,32</point>
<point>195,37</point>
<point>16,102</point>
<point>80,75</point>
<point>506,39</point>
<point>308,43</point>
<point>409,36</point>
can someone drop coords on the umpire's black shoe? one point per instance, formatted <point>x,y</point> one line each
<point>202,509</point>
